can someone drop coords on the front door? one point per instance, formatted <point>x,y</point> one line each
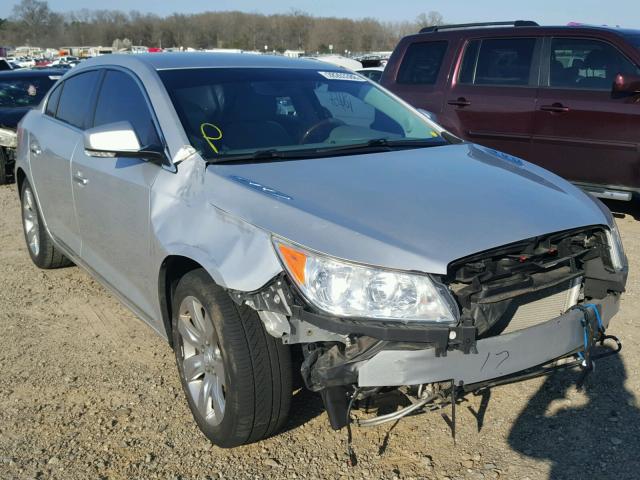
<point>59,136</point>
<point>583,131</point>
<point>492,98</point>
<point>112,196</point>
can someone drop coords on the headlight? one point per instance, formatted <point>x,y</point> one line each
<point>618,257</point>
<point>351,290</point>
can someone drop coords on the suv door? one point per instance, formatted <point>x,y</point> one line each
<point>112,196</point>
<point>492,96</point>
<point>582,131</point>
<point>59,133</point>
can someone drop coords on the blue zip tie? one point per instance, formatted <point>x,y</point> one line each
<point>594,307</point>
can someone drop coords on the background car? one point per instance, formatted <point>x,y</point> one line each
<point>372,73</point>
<point>20,91</point>
<point>566,98</point>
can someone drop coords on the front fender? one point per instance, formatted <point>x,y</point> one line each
<point>235,253</point>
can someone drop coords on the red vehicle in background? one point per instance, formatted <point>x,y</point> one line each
<point>565,98</point>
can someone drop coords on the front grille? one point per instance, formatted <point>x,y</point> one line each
<point>527,312</point>
<point>526,283</point>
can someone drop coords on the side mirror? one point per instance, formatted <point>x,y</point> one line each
<point>118,139</point>
<point>626,84</point>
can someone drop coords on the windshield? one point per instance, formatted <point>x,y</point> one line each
<point>24,92</point>
<point>231,112</point>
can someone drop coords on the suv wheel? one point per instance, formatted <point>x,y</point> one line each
<point>41,248</point>
<point>236,377</point>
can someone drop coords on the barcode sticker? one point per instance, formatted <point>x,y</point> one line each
<point>352,77</point>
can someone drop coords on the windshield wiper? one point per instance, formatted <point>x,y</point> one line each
<point>382,145</point>
<point>270,154</point>
<point>371,146</point>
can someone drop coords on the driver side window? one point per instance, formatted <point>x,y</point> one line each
<point>586,64</point>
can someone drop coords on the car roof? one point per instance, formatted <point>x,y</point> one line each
<point>189,60</point>
<point>578,28</point>
<point>31,73</point>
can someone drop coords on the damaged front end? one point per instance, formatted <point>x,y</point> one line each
<point>522,309</point>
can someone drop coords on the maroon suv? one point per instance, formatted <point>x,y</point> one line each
<point>566,98</point>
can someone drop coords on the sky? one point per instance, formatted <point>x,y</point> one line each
<point>625,13</point>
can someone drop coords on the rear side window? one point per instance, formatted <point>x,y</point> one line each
<point>499,61</point>
<point>586,64</point>
<point>52,103</point>
<point>76,99</point>
<point>421,63</point>
<point>120,100</point>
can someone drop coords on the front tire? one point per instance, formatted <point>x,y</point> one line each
<point>236,377</point>
<point>39,244</point>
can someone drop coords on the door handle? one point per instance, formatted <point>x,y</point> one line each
<point>35,149</point>
<point>460,102</point>
<point>555,108</point>
<point>79,179</point>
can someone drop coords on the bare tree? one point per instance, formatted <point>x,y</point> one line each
<point>34,17</point>
<point>34,22</point>
<point>429,19</point>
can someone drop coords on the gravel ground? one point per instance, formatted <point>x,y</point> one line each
<point>87,391</point>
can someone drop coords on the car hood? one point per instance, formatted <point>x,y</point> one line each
<point>410,209</point>
<point>10,117</point>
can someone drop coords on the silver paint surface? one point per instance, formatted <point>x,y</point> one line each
<point>497,356</point>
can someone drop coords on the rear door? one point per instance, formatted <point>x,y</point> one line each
<point>582,131</point>
<point>492,96</point>
<point>111,195</point>
<point>52,143</point>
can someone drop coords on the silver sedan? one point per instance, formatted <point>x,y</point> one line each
<point>255,208</point>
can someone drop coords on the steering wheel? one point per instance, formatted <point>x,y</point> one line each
<point>327,123</point>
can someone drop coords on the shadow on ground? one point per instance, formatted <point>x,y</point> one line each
<point>597,439</point>
<point>624,208</point>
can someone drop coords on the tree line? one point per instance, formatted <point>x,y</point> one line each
<point>33,23</point>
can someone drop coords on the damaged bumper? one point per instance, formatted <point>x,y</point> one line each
<point>497,356</point>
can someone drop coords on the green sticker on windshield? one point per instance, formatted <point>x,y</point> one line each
<point>211,133</point>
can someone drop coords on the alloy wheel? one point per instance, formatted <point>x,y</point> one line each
<point>202,362</point>
<point>30,221</point>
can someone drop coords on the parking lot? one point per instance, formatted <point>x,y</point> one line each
<point>88,391</point>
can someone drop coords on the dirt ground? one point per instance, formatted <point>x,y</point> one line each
<point>88,391</point>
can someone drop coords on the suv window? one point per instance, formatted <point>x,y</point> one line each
<point>75,100</point>
<point>421,63</point>
<point>498,61</point>
<point>586,64</point>
<point>52,103</point>
<point>121,99</point>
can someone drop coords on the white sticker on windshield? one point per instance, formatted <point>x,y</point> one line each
<point>343,76</point>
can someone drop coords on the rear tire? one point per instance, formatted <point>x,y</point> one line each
<point>39,244</point>
<point>222,349</point>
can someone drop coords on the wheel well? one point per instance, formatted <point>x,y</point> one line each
<point>172,270</point>
<point>20,176</point>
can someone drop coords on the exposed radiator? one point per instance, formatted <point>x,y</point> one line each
<point>554,304</point>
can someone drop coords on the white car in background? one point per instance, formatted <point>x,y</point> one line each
<point>339,61</point>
